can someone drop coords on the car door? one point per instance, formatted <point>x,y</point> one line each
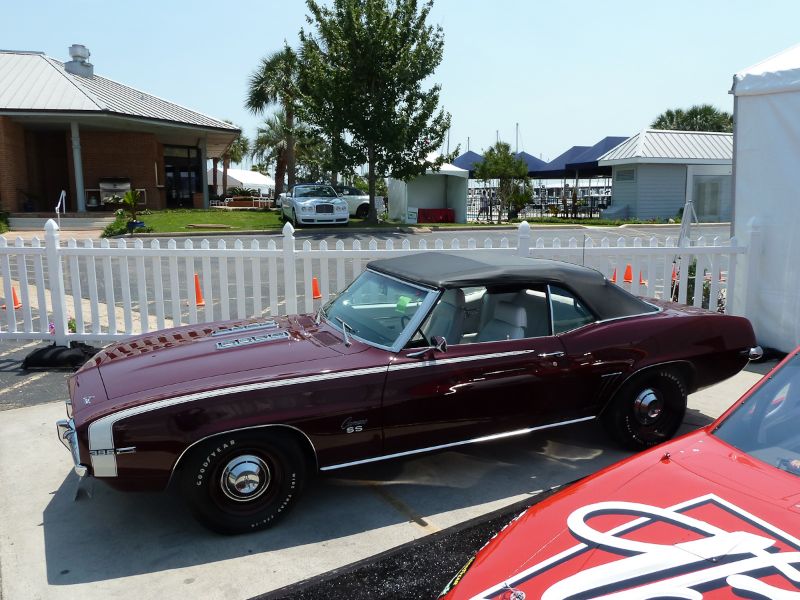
<point>505,376</point>
<point>599,354</point>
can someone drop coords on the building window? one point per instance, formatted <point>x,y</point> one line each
<point>182,175</point>
<point>626,175</point>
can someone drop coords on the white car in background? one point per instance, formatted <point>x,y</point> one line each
<point>313,204</point>
<point>357,201</point>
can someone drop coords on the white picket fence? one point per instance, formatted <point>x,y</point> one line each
<point>114,289</point>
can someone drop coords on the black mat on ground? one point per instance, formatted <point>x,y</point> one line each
<point>60,357</point>
<point>416,570</point>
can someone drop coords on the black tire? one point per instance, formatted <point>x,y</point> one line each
<point>271,474</point>
<point>362,212</point>
<point>294,219</point>
<point>647,410</point>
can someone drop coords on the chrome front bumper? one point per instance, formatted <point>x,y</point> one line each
<point>68,437</point>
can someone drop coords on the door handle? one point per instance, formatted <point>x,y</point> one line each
<point>557,354</point>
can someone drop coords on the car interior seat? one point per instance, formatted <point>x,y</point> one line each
<point>447,319</point>
<point>508,322</point>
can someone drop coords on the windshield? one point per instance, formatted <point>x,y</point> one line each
<point>376,309</point>
<point>766,424</point>
<point>314,191</point>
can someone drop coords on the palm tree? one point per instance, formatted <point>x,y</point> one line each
<point>239,148</point>
<point>701,117</point>
<point>275,82</point>
<point>269,146</point>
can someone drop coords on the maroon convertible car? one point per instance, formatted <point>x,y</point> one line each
<point>420,352</point>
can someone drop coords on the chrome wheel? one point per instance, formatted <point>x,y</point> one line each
<point>647,410</point>
<point>245,478</point>
<point>648,406</point>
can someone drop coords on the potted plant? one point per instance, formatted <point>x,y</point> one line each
<point>130,204</point>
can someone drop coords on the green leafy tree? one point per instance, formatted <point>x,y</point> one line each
<point>511,173</point>
<point>235,153</point>
<point>275,82</point>
<point>701,117</point>
<point>361,78</point>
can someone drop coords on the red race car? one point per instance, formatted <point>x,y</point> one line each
<point>422,352</point>
<point>713,514</point>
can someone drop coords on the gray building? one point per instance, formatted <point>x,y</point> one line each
<point>656,171</point>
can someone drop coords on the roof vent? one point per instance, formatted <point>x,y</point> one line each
<point>79,65</point>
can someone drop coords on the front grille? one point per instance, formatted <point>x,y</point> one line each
<point>325,209</point>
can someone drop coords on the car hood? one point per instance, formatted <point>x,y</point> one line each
<point>190,358</point>
<point>688,518</point>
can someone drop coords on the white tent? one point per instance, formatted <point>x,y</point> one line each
<point>243,178</point>
<point>766,163</point>
<point>445,188</point>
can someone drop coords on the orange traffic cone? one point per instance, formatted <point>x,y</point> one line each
<point>614,277</point>
<point>17,303</point>
<point>628,277</point>
<point>198,293</point>
<point>315,293</point>
<point>642,281</point>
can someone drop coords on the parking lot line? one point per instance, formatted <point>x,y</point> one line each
<point>17,349</point>
<point>403,508</point>
<point>24,382</point>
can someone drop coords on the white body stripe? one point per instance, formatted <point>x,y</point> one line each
<point>101,431</point>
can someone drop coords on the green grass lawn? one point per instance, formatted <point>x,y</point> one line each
<point>175,221</point>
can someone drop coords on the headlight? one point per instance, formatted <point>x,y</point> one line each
<point>341,208</point>
<point>306,208</point>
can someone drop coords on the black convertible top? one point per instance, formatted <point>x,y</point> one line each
<point>498,269</point>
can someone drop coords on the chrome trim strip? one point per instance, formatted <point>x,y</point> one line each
<point>258,338</point>
<point>614,374</point>
<point>644,314</point>
<point>457,359</point>
<point>213,435</point>
<point>101,434</point>
<point>486,438</point>
<point>241,328</point>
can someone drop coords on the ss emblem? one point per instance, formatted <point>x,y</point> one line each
<point>351,425</point>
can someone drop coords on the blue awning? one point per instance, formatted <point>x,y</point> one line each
<point>586,163</point>
<point>467,161</point>
<point>532,162</point>
<point>556,168</point>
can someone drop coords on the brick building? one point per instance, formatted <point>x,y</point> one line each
<point>64,128</point>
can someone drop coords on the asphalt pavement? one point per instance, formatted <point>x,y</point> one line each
<point>142,546</point>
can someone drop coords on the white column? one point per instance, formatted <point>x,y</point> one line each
<point>204,169</point>
<point>77,162</point>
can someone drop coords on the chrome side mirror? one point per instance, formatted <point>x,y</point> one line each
<point>438,344</point>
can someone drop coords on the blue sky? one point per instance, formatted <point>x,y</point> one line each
<point>569,73</point>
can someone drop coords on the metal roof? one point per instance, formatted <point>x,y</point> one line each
<point>33,82</point>
<point>667,146</point>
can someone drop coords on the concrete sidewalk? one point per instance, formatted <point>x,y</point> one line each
<point>142,546</point>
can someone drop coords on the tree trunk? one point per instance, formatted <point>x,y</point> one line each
<point>290,157</point>
<point>225,161</point>
<point>372,218</point>
<point>280,174</point>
